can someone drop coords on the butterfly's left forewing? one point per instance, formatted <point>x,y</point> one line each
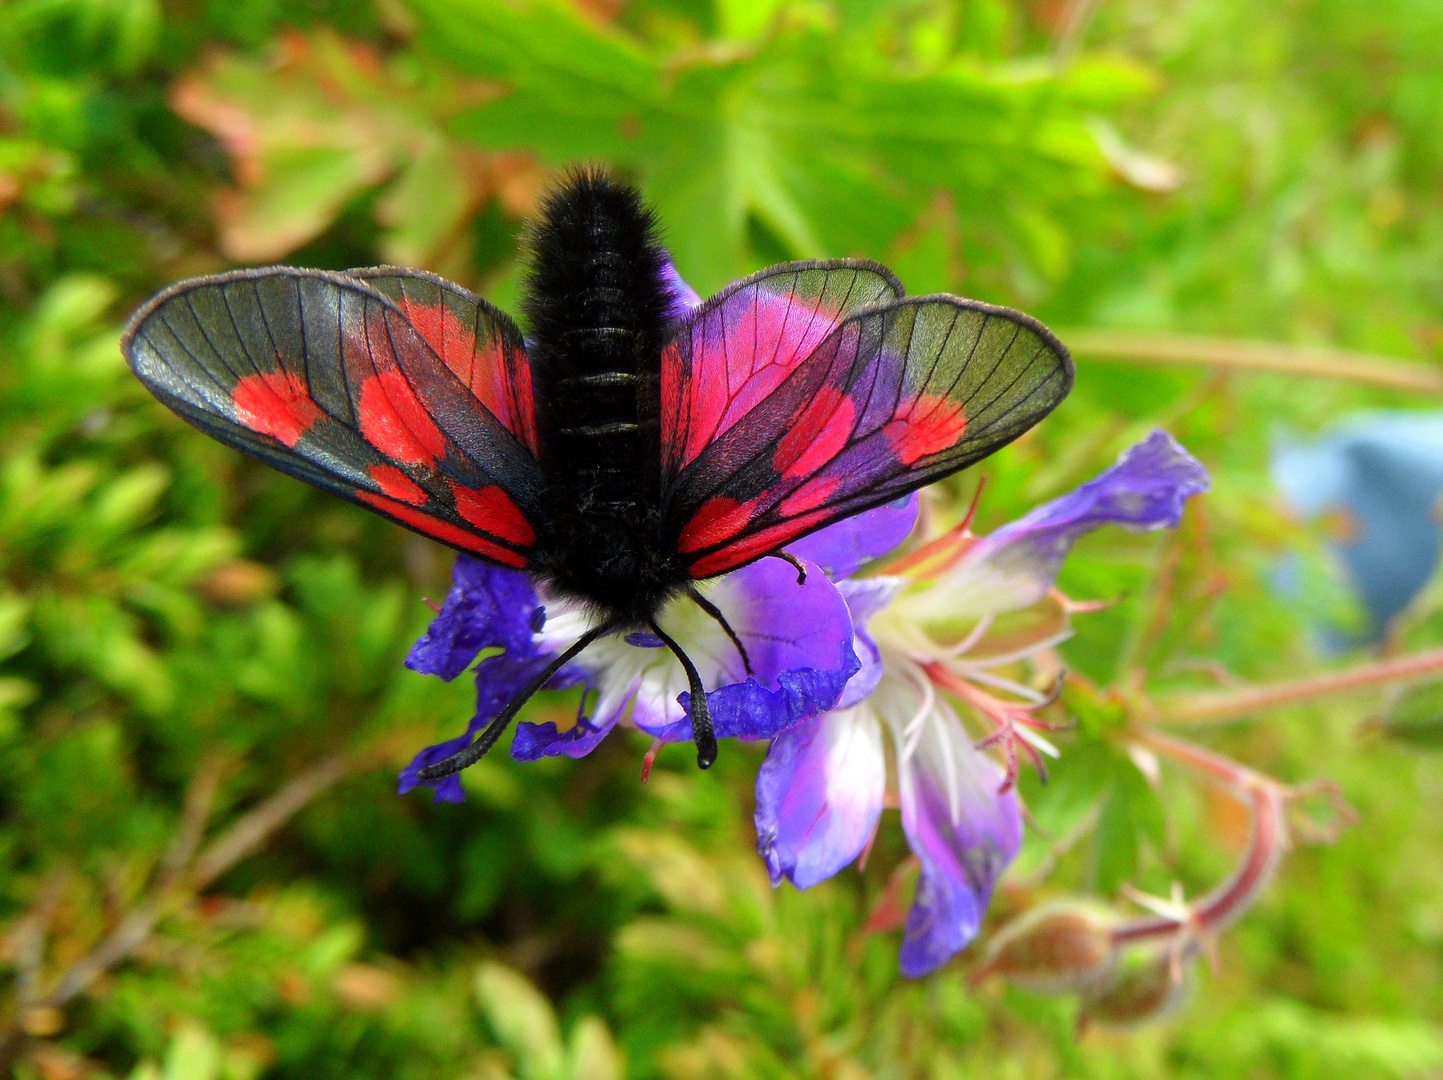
<point>476,341</point>
<point>896,396</point>
<point>326,377</point>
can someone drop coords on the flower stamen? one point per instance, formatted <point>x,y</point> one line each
<point>948,548</point>
<point>1011,719</point>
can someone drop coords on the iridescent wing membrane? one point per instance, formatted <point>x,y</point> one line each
<point>871,396</point>
<point>742,344</point>
<point>392,388</point>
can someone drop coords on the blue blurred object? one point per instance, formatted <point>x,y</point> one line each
<point>1383,473</point>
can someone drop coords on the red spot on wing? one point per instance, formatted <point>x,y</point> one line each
<point>740,352</point>
<point>810,495</point>
<point>449,338</point>
<point>501,380</point>
<point>445,531</point>
<point>716,520</point>
<point>397,484</point>
<point>928,424</point>
<point>394,421</point>
<point>817,435</point>
<point>491,509</point>
<point>277,404</point>
<point>768,539</point>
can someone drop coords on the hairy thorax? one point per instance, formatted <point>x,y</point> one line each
<point>598,306</point>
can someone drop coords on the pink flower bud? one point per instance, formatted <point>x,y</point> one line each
<point>1054,948</point>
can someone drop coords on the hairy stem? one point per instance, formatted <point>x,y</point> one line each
<point>1223,706</point>
<point>1267,801</point>
<point>1254,356</point>
<point>1227,903</point>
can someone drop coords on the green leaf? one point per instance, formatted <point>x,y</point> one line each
<point>592,1054</point>
<point>193,1054</point>
<point>522,1021</point>
<point>1416,718</point>
<point>1130,813</point>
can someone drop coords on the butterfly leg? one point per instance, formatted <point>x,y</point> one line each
<point>701,728</point>
<point>715,612</point>
<point>787,556</point>
<point>464,759</point>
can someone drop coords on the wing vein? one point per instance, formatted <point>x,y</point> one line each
<point>185,376</point>
<point>235,327</point>
<point>203,333</point>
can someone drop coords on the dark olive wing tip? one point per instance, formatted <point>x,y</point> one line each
<point>137,320</point>
<point>362,273</point>
<point>1054,344</point>
<point>504,320</point>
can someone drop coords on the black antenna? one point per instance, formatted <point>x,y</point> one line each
<point>787,556</point>
<point>467,757</point>
<point>715,612</point>
<point>701,730</point>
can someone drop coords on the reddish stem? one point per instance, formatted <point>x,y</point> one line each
<point>1225,904</point>
<point>1234,704</point>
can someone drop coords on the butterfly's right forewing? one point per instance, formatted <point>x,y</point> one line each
<point>745,341</point>
<point>896,396</point>
<point>328,378</point>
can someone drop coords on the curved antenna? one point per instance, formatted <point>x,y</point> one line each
<point>701,729</point>
<point>787,556</point>
<point>477,750</point>
<point>716,613</point>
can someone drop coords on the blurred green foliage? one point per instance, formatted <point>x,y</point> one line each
<point>188,641</point>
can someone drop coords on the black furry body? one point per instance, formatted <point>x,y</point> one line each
<point>598,305</point>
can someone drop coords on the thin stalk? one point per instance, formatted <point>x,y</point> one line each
<point>1227,903</point>
<point>1223,706</point>
<point>1267,801</point>
<point>1254,356</point>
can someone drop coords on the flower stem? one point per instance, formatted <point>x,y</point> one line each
<point>1215,708</point>
<point>1267,801</point>
<point>1227,903</point>
<point>1254,356</point>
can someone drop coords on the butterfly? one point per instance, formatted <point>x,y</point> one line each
<point>633,445</point>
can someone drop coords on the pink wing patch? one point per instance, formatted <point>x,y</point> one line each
<point>718,519</point>
<point>816,436</point>
<point>444,531</point>
<point>757,544</point>
<point>394,421</point>
<point>476,342</point>
<point>277,403</point>
<point>742,344</point>
<point>397,484</point>
<point>497,374</point>
<point>492,509</point>
<point>926,424</point>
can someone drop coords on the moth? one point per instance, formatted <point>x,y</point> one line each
<point>633,445</point>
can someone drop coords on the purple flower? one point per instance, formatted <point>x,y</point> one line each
<point>487,607</point>
<point>798,638</point>
<point>683,297</point>
<point>821,790</point>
